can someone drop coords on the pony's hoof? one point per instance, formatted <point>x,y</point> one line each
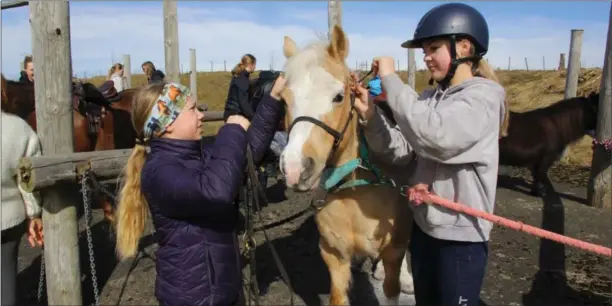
<point>406,283</point>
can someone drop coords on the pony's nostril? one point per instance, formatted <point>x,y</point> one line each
<point>308,164</point>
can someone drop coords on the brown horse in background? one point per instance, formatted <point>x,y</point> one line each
<point>98,124</point>
<point>539,137</point>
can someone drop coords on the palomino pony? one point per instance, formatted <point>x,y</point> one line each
<point>98,124</point>
<point>539,137</point>
<point>362,213</point>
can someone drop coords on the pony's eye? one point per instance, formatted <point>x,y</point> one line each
<point>338,98</point>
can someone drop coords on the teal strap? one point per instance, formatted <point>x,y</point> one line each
<point>331,177</point>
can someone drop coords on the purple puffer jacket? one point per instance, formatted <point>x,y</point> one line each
<point>190,189</point>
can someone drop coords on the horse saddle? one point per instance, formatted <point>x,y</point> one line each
<point>109,92</point>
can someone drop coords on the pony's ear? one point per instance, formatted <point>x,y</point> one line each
<point>339,44</point>
<point>289,47</point>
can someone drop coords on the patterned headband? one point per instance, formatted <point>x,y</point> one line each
<point>168,106</point>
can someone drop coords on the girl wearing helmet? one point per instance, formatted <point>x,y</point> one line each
<point>453,130</point>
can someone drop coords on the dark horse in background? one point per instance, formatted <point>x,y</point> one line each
<point>100,122</point>
<point>538,138</point>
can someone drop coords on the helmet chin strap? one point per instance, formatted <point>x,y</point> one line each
<point>444,83</point>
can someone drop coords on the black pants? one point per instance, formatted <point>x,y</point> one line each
<point>11,237</point>
<point>446,272</point>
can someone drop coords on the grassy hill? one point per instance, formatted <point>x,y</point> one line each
<point>525,90</point>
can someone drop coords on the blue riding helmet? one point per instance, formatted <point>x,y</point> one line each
<point>375,87</point>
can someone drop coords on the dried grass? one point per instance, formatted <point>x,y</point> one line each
<point>525,90</point>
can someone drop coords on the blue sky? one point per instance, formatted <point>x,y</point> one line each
<point>104,30</point>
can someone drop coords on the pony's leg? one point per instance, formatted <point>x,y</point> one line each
<point>392,258</point>
<point>541,181</point>
<point>340,272</point>
<point>406,281</point>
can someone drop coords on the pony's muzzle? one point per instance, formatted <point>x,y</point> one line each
<point>298,174</point>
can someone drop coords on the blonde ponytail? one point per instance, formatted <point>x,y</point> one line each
<point>238,69</point>
<point>484,70</point>
<point>133,210</point>
<point>246,60</point>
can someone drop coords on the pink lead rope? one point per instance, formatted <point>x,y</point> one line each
<point>424,196</point>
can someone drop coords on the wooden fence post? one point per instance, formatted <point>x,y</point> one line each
<point>599,190</point>
<point>193,74</point>
<point>573,67</point>
<point>334,14</point>
<point>561,62</point>
<point>171,46</point>
<point>411,69</point>
<point>127,71</point>
<point>50,23</point>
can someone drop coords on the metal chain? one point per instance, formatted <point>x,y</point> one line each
<point>88,217</point>
<point>41,279</point>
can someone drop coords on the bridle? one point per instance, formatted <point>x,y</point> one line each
<point>338,135</point>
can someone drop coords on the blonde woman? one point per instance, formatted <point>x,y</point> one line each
<point>21,210</point>
<point>115,74</point>
<point>453,131</point>
<point>188,188</point>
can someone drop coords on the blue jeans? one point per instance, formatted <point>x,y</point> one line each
<point>446,272</point>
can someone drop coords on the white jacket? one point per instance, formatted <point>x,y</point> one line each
<point>119,82</point>
<point>18,140</point>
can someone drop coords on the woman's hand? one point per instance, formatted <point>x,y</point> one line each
<point>279,86</point>
<point>35,232</point>
<point>240,120</point>
<point>383,65</point>
<point>363,105</point>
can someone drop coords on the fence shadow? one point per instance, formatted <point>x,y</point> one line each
<point>522,186</point>
<point>300,256</point>
<point>550,286</point>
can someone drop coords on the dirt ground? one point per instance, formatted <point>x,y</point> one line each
<point>522,269</point>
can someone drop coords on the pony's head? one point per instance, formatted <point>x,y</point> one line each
<point>319,115</point>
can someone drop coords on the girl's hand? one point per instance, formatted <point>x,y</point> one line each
<point>417,192</point>
<point>278,87</point>
<point>240,120</point>
<point>383,65</point>
<point>363,105</point>
<point>35,232</point>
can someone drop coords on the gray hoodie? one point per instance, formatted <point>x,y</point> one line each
<point>454,134</point>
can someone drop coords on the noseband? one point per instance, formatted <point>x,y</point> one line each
<point>338,136</point>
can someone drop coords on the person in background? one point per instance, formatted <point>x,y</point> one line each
<point>238,93</point>
<point>189,188</point>
<point>453,129</point>
<point>115,74</point>
<point>153,75</point>
<point>21,210</point>
<point>27,74</point>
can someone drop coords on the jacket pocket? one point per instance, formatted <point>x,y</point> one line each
<point>437,215</point>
